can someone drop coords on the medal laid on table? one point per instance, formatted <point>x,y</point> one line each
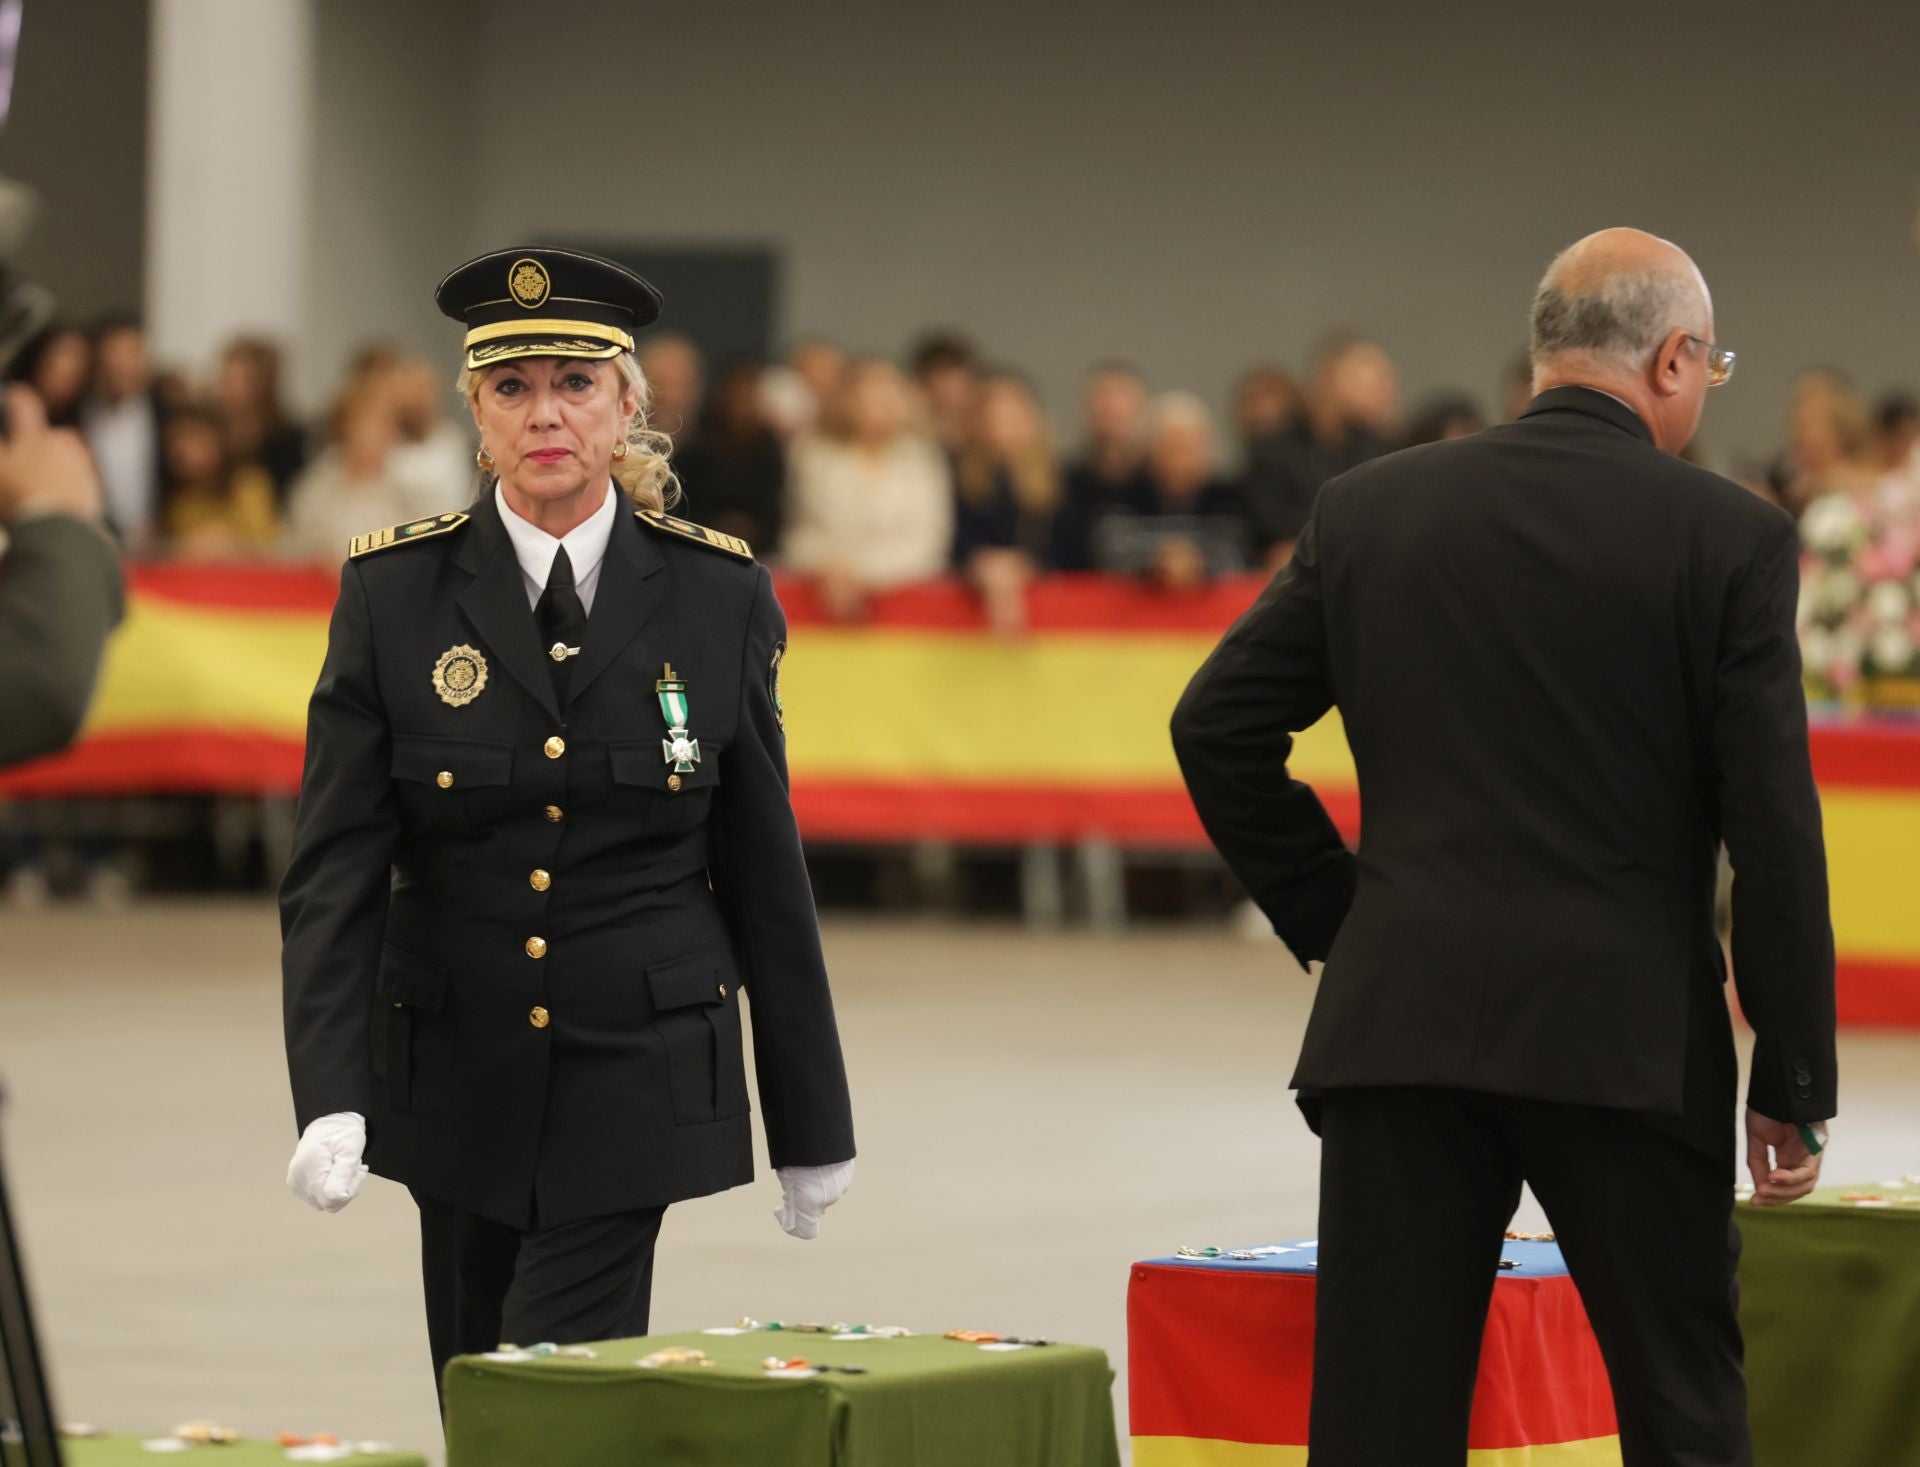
<point>681,750</point>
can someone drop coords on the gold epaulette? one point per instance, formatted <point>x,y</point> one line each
<point>405,534</point>
<point>699,534</point>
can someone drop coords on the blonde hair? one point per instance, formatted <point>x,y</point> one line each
<point>645,474</point>
<point>1033,475</point>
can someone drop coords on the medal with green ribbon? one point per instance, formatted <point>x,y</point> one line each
<point>681,751</point>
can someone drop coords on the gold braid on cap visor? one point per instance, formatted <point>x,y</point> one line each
<point>544,336</point>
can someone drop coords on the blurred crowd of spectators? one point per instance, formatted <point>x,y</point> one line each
<point>223,470</point>
<point>863,472</point>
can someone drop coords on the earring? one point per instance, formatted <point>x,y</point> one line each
<point>484,460</point>
<point>619,451</point>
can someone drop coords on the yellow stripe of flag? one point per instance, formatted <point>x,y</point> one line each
<point>1190,1451</point>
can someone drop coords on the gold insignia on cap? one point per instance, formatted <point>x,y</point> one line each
<point>528,283</point>
<point>460,675</point>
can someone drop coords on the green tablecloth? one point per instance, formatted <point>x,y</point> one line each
<point>1830,1302</point>
<point>924,1402</point>
<point>126,1451</point>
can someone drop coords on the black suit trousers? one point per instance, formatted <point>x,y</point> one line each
<point>1417,1187</point>
<point>487,1282</point>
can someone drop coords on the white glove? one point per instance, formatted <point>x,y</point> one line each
<point>326,1171</point>
<point>810,1191</point>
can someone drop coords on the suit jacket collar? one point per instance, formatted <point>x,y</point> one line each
<point>1593,403</point>
<point>496,602</point>
<point>630,591</point>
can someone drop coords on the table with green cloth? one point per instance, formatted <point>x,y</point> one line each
<point>1830,1303</point>
<point>130,1451</point>
<point>921,1401</point>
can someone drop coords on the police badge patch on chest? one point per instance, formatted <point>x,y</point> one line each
<point>460,675</point>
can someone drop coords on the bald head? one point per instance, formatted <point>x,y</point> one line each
<point>1629,314</point>
<point>1613,297</point>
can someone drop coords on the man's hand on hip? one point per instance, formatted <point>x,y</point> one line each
<point>1784,1167</point>
<point>326,1171</point>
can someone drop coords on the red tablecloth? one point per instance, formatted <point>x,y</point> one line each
<point>1220,1366</point>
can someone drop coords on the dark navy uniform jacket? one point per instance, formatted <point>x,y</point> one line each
<point>439,848</point>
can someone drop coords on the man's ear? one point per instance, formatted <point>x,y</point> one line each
<point>1667,369</point>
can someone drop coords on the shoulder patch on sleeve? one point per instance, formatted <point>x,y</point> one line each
<point>406,534</point>
<point>773,685</point>
<point>719,540</point>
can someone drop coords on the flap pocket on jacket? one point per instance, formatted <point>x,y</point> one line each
<point>705,978</point>
<point>467,763</point>
<point>414,982</point>
<point>645,764</point>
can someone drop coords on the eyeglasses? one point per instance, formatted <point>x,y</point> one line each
<point>1719,362</point>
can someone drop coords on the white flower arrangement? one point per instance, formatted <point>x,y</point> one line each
<point>1859,609</point>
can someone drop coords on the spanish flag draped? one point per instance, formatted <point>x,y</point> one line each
<point>1220,1365</point>
<point>916,723</point>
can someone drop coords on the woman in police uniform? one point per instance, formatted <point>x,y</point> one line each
<point>545,844</point>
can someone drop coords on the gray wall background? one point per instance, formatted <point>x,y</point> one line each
<point>1193,187</point>
<point>77,134</point>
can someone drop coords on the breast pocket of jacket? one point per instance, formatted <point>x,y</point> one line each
<point>413,1037</point>
<point>665,802</point>
<point>697,1006</point>
<point>449,786</point>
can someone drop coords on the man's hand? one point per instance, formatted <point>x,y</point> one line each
<point>1784,1169</point>
<point>43,470</point>
<point>326,1171</point>
<point>810,1191</point>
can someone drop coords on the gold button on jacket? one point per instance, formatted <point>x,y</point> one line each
<point>539,1017</point>
<point>444,779</point>
<point>673,783</point>
<point>536,947</point>
<point>556,746</point>
<point>556,814</point>
<point>540,880</point>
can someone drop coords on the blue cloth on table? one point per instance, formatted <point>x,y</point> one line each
<point>1536,1260</point>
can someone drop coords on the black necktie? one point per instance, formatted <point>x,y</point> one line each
<point>562,621</point>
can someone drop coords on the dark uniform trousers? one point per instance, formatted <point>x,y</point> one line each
<point>577,1281</point>
<point>1416,1189</point>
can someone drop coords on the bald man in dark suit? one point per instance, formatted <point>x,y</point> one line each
<point>1567,667</point>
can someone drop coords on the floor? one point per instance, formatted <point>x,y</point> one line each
<point>1034,1112</point>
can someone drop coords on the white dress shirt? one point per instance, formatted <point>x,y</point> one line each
<point>125,439</point>
<point>586,547</point>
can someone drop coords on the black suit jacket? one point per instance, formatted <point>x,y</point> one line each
<point>434,841</point>
<point>1567,667</point>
